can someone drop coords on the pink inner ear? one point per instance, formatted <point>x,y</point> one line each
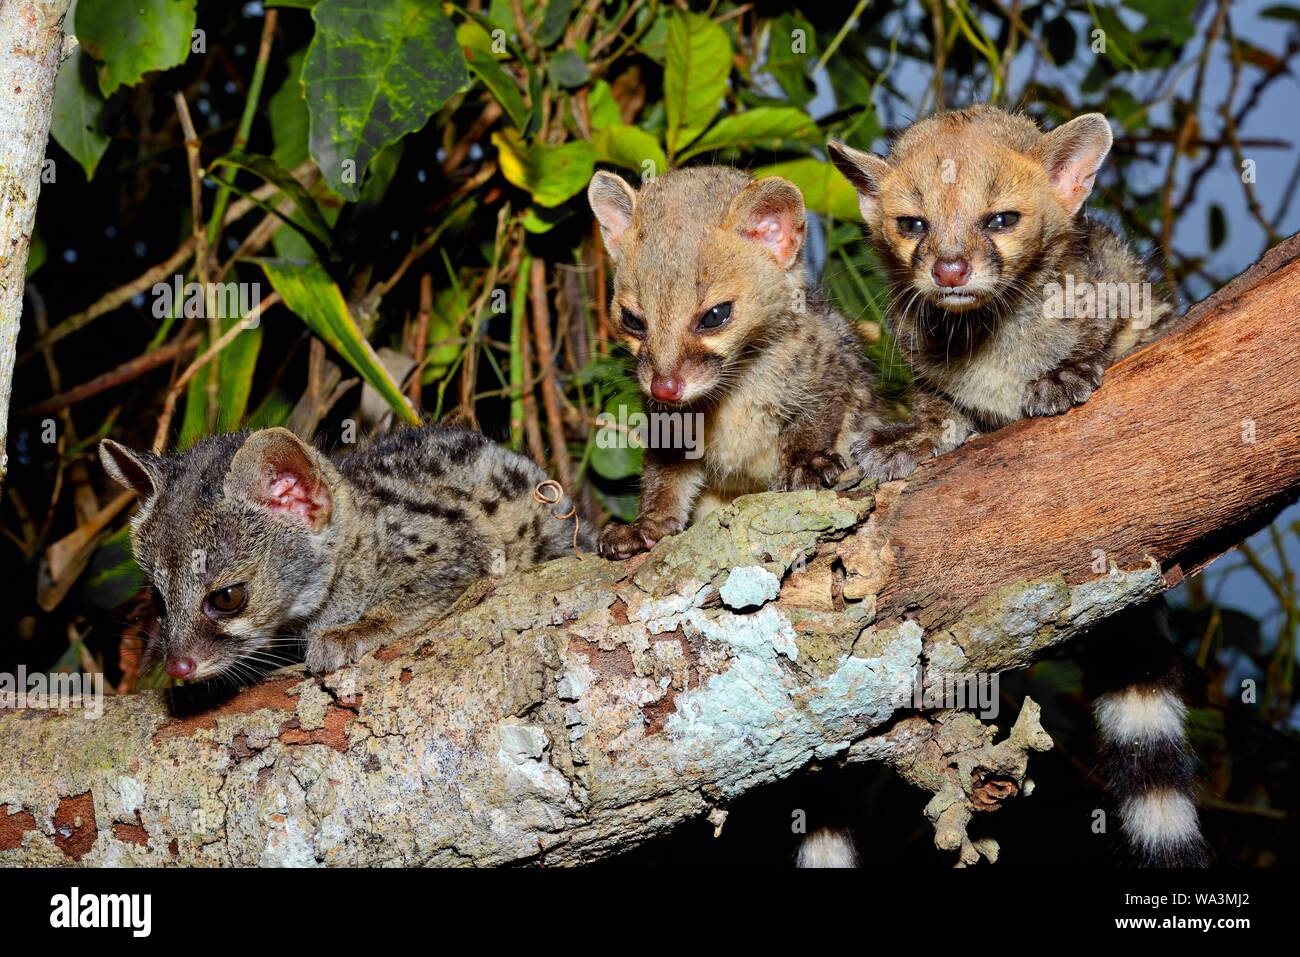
<point>287,491</point>
<point>1072,179</point>
<point>773,233</point>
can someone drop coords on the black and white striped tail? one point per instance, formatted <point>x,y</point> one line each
<point>827,847</point>
<point>1146,762</point>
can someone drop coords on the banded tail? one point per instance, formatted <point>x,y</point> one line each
<point>1148,767</point>
<point>827,847</point>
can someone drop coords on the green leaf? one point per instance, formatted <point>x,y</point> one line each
<point>553,174</point>
<point>113,576</point>
<point>554,20</point>
<point>315,227</point>
<point>274,410</point>
<point>1281,12</point>
<point>824,190</point>
<point>764,124</point>
<point>1126,110</point>
<point>35,255</point>
<point>500,84</point>
<point>541,219</point>
<point>78,112</point>
<point>790,54</point>
<point>568,70</point>
<point>235,367</point>
<point>614,454</point>
<point>313,296</point>
<point>375,72</point>
<point>629,146</point>
<point>601,106</point>
<point>289,118</point>
<point>695,77</point>
<point>149,35</point>
<point>235,374</point>
<point>194,421</point>
<point>450,307</point>
<point>622,507</point>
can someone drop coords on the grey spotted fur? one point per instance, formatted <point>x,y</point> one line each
<point>411,521</point>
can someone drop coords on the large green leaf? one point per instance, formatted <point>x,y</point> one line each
<point>764,124</point>
<point>628,146</point>
<point>695,77</point>
<point>290,121</point>
<point>375,71</point>
<point>553,174</point>
<point>824,189</point>
<point>134,38</point>
<point>310,293</point>
<point>78,114</point>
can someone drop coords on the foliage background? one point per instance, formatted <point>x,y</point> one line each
<point>404,180</point>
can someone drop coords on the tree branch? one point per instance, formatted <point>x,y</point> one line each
<point>582,707</point>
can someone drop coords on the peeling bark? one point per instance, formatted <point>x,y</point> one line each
<point>31,43</point>
<point>575,710</point>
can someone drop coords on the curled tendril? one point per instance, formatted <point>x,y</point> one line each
<point>551,492</point>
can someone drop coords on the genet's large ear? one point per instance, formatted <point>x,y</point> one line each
<point>770,211</point>
<point>141,472</point>
<point>1072,153</point>
<point>866,171</point>
<point>613,201</point>
<point>277,471</point>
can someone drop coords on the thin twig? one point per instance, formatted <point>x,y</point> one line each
<point>419,345</point>
<point>546,372</point>
<point>126,372</point>
<point>169,404</point>
<point>202,251</point>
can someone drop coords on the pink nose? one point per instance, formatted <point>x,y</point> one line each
<point>950,272</point>
<point>668,389</point>
<point>180,667</point>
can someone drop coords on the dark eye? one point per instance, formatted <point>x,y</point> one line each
<point>911,225</point>
<point>1002,221</point>
<point>226,601</point>
<point>632,323</point>
<point>715,316</point>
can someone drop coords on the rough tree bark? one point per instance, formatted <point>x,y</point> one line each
<point>31,44</point>
<point>585,706</point>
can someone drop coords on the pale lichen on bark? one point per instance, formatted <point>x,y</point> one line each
<point>560,716</point>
